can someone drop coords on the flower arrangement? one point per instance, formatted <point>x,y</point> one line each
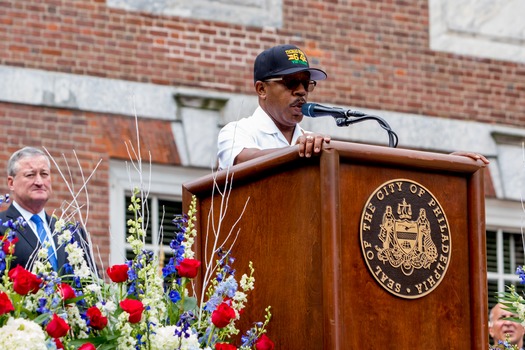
<point>140,305</point>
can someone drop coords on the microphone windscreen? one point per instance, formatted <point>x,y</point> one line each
<point>308,109</point>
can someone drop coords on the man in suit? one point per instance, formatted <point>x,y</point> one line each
<point>29,180</point>
<point>501,328</point>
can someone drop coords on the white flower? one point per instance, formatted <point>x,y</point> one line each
<point>94,288</point>
<point>165,338</point>
<point>83,271</point>
<point>42,252</point>
<point>19,333</point>
<point>64,237</point>
<point>75,253</point>
<point>247,283</point>
<point>239,300</point>
<point>109,307</point>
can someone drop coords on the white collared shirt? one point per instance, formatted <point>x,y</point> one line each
<point>257,131</point>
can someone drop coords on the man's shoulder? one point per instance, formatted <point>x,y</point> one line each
<point>10,212</point>
<point>245,126</point>
<point>246,121</point>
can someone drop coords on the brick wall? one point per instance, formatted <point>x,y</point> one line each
<point>376,53</point>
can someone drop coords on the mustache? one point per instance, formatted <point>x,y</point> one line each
<point>298,102</point>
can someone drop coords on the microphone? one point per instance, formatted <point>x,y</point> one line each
<point>314,110</point>
<point>346,117</point>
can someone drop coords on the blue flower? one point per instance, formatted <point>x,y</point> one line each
<point>521,273</point>
<point>184,323</point>
<point>42,309</point>
<point>212,303</point>
<point>132,274</point>
<point>169,269</point>
<point>174,296</point>
<point>68,269</point>
<point>227,287</point>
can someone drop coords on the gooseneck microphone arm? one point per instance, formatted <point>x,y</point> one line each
<point>347,117</point>
<point>348,120</point>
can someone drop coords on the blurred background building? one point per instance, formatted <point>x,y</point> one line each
<point>94,81</point>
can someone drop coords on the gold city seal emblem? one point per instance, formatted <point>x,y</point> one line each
<point>405,238</point>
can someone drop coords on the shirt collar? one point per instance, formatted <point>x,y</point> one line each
<point>27,214</point>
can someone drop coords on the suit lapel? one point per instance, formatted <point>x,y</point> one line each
<point>26,233</point>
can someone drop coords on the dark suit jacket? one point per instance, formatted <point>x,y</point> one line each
<point>28,241</point>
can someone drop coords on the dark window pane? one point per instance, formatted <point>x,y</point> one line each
<point>518,239</point>
<point>168,210</point>
<point>506,252</point>
<point>512,247</point>
<point>493,290</point>
<point>492,263</point>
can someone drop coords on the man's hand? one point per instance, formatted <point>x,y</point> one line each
<point>475,156</point>
<point>311,143</point>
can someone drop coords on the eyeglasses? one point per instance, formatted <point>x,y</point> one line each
<point>293,83</point>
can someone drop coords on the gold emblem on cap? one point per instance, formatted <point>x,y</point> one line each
<point>296,55</point>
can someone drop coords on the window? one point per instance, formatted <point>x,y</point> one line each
<point>160,228</point>
<point>505,249</point>
<point>505,252</point>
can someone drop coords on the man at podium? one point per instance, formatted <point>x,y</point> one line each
<point>282,80</point>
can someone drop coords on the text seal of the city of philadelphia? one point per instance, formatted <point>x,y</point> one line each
<point>405,238</point>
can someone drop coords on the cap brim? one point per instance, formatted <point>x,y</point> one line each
<point>315,74</point>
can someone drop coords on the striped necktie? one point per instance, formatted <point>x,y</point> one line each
<point>43,237</point>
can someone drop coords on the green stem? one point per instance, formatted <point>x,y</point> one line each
<point>210,336</point>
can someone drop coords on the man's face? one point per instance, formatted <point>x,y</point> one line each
<point>31,186</point>
<point>283,104</point>
<point>501,327</point>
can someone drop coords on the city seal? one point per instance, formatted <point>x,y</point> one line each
<point>405,238</point>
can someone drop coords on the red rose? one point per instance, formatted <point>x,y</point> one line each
<point>96,319</point>
<point>57,327</point>
<point>188,268</point>
<point>9,246</point>
<point>6,306</point>
<point>24,282</point>
<point>134,308</point>
<point>264,343</point>
<point>222,316</point>
<point>223,346</point>
<point>87,346</point>
<point>118,273</point>
<point>66,291</point>
<point>58,343</point>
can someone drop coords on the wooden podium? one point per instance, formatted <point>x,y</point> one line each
<point>348,256</point>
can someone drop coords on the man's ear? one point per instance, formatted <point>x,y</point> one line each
<point>10,180</point>
<point>260,89</point>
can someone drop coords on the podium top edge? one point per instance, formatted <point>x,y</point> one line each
<point>347,152</point>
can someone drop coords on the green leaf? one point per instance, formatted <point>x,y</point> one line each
<point>42,318</point>
<point>190,303</point>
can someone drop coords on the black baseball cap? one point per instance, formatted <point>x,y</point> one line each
<point>283,60</point>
